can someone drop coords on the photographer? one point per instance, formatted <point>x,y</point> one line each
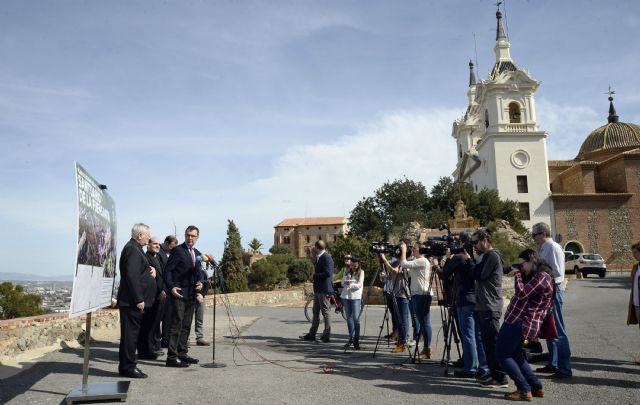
<point>488,277</point>
<point>528,307</point>
<point>459,268</point>
<point>400,299</point>
<point>418,270</point>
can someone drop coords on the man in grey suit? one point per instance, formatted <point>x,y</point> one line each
<point>322,290</point>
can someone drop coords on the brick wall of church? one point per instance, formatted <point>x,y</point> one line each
<point>612,178</point>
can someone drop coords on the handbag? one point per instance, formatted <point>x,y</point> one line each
<point>548,329</point>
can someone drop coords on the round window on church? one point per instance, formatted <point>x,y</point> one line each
<point>520,159</point>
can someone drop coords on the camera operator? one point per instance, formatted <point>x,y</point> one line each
<point>488,277</point>
<point>459,267</point>
<point>419,269</point>
<point>400,298</point>
<point>387,291</point>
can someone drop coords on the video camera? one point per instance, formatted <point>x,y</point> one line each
<point>384,248</point>
<point>438,245</point>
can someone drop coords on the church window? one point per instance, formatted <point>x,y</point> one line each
<point>523,185</point>
<point>524,211</point>
<point>308,238</point>
<point>459,151</point>
<point>287,240</point>
<point>514,113</point>
<point>486,118</point>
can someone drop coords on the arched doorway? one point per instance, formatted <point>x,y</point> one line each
<point>574,246</point>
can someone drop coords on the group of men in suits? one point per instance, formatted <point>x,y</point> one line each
<point>159,286</point>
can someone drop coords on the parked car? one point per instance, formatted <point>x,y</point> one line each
<point>586,263</point>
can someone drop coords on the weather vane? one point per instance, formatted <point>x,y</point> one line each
<point>498,4</point>
<point>610,93</point>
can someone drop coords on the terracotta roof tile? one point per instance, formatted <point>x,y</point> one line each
<point>312,221</point>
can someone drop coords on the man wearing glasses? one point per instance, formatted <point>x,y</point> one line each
<point>560,354</point>
<point>488,276</point>
<point>184,281</point>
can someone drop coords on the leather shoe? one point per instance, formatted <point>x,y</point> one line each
<point>519,396</point>
<point>546,369</point>
<point>188,360</point>
<point>202,342</point>
<point>308,337</point>
<point>539,393</point>
<point>325,339</point>
<point>135,373</point>
<point>176,363</point>
<point>558,375</point>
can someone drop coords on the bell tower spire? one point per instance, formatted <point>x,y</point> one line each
<point>502,44</point>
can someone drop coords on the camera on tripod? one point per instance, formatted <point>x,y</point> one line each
<point>436,246</point>
<point>385,248</point>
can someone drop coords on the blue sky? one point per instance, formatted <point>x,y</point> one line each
<point>203,111</point>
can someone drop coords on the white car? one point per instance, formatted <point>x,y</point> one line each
<point>586,263</point>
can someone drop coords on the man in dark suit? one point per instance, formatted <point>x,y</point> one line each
<point>170,242</point>
<point>322,290</point>
<point>137,291</point>
<point>149,341</point>
<point>183,279</point>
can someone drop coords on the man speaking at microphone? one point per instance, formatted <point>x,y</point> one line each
<point>184,281</point>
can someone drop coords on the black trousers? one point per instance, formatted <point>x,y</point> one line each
<point>130,322</point>
<point>155,335</point>
<point>145,347</point>
<point>180,327</point>
<point>489,328</point>
<point>167,318</point>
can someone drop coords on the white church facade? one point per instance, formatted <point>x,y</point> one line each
<point>499,142</point>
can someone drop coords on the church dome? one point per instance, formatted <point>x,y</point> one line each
<point>613,135</point>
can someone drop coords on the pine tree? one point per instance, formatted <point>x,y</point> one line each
<point>231,265</point>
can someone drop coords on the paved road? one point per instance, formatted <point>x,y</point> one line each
<point>270,365</point>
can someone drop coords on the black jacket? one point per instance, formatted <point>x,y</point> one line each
<point>463,283</point>
<point>155,261</point>
<point>180,271</point>
<point>136,283</point>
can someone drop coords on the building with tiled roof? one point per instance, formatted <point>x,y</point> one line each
<point>596,196</point>
<point>299,234</point>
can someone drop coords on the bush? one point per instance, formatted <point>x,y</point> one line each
<point>509,250</point>
<point>266,273</point>
<point>299,270</point>
<point>15,303</point>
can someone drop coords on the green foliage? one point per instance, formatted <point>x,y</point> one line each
<point>279,249</point>
<point>15,303</point>
<point>255,245</point>
<point>395,203</point>
<point>509,250</point>
<point>299,270</point>
<point>267,272</point>
<point>231,263</point>
<point>358,247</point>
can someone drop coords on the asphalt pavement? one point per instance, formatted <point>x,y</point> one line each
<point>267,363</point>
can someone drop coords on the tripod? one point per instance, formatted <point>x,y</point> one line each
<point>450,326</point>
<point>215,281</point>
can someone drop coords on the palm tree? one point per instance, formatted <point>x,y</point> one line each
<point>255,245</point>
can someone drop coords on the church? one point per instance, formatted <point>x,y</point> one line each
<point>592,202</point>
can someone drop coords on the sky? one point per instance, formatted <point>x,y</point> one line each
<point>197,112</point>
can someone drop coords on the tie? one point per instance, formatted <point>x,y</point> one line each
<point>193,257</point>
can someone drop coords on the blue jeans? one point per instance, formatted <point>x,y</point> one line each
<point>352,311</point>
<point>474,358</point>
<point>559,351</point>
<point>512,359</point>
<point>402,312</point>
<point>421,308</point>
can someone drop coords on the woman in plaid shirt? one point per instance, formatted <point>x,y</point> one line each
<point>528,307</point>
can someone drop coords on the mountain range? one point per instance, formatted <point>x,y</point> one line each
<point>33,277</point>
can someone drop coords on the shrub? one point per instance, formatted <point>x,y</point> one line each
<point>299,270</point>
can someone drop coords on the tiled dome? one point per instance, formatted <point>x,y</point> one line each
<point>613,135</point>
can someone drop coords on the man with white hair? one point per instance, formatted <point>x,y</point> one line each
<point>559,351</point>
<point>137,291</point>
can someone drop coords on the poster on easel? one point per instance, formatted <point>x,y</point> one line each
<point>96,253</point>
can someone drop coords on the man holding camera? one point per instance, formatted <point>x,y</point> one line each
<point>400,299</point>
<point>464,290</point>
<point>488,277</point>
<point>560,361</point>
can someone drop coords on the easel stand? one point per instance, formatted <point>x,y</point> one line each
<point>214,364</point>
<point>97,391</point>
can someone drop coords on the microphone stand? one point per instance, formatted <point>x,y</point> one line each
<point>216,274</point>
